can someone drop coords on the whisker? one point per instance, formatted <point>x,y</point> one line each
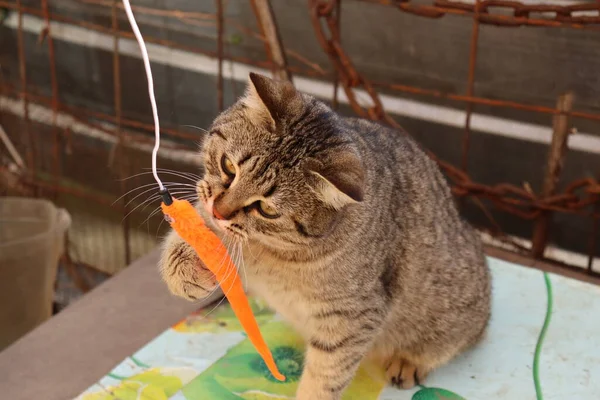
<point>230,263</point>
<point>184,191</point>
<point>171,170</point>
<point>225,292</point>
<point>141,194</point>
<point>133,190</point>
<point>189,197</point>
<point>187,178</point>
<point>159,208</point>
<point>189,188</point>
<point>243,266</point>
<point>147,204</point>
<point>182,174</point>
<point>237,257</point>
<point>247,241</point>
<point>236,254</point>
<point>185,175</point>
<point>156,211</point>
<point>227,249</point>
<point>147,220</point>
<point>179,172</point>
<point>218,269</point>
<point>231,271</point>
<point>148,201</point>
<point>135,176</point>
<point>158,229</point>
<point>183,184</point>
<point>196,127</point>
<point>214,308</point>
<point>185,195</point>
<point>169,185</point>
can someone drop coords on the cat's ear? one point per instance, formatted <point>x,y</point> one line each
<point>271,100</point>
<point>339,180</point>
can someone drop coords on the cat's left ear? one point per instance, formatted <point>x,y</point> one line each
<point>272,100</point>
<point>339,180</point>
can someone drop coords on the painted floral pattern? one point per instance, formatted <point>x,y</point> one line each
<point>239,373</point>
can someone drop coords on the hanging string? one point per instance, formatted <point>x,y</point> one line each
<point>146,58</point>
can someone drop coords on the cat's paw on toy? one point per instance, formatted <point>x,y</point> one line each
<point>185,275</point>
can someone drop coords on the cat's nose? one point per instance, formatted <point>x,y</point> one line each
<point>217,214</point>
<point>223,208</point>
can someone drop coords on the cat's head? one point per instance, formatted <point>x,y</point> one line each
<point>278,168</point>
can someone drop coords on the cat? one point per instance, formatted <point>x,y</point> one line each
<point>347,229</point>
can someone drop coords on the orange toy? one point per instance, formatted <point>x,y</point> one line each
<point>191,228</point>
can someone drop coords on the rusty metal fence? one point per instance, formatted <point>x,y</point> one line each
<point>129,135</point>
<point>577,197</point>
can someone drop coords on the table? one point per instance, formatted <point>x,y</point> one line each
<point>107,325</point>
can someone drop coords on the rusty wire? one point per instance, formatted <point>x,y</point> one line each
<point>84,114</point>
<point>507,13</point>
<point>31,153</point>
<point>220,53</point>
<point>118,127</point>
<point>308,69</point>
<point>482,100</point>
<point>576,198</point>
<point>54,84</point>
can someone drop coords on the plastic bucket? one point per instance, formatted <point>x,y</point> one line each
<point>32,233</point>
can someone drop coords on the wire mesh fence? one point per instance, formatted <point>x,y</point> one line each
<point>73,102</point>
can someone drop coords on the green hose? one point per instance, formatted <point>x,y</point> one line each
<point>540,341</point>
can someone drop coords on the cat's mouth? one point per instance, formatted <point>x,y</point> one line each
<point>229,228</point>
<point>207,214</point>
<point>208,209</point>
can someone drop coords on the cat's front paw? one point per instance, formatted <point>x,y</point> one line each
<point>185,275</point>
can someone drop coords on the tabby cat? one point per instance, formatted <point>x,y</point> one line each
<point>347,229</point>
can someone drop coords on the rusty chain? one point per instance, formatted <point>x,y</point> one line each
<point>519,201</point>
<point>504,12</point>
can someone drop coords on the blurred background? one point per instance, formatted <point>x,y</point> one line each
<point>505,95</point>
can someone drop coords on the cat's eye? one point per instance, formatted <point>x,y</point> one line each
<point>227,167</point>
<point>266,210</point>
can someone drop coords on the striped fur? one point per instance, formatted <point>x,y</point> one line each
<point>367,256</point>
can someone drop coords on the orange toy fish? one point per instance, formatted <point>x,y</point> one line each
<point>189,225</point>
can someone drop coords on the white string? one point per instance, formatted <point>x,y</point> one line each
<point>140,40</point>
